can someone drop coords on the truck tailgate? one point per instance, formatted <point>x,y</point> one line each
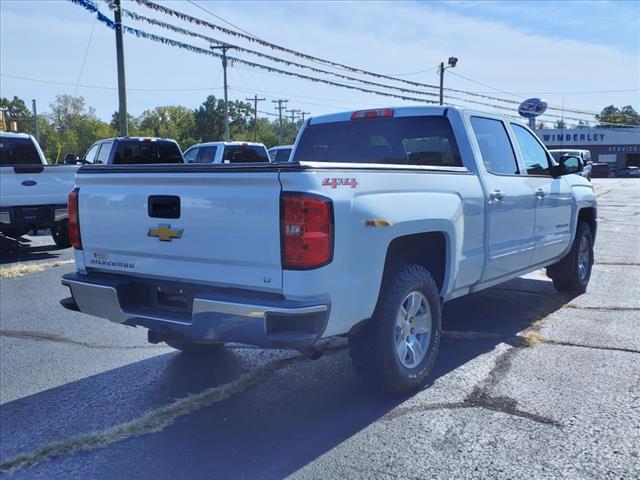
<point>227,230</point>
<point>36,185</point>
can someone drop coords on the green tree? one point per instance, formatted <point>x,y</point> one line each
<point>17,111</point>
<point>560,125</point>
<point>133,124</point>
<point>582,124</point>
<point>612,116</point>
<point>175,122</point>
<point>76,125</point>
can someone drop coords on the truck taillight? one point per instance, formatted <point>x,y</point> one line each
<point>74,219</point>
<point>306,222</point>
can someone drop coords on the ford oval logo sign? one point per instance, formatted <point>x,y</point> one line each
<point>29,183</point>
<point>532,108</point>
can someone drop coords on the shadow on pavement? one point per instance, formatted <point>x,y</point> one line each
<point>24,249</point>
<point>269,430</point>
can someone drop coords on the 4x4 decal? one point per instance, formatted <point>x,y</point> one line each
<point>335,182</point>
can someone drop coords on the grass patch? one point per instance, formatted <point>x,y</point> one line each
<point>20,269</point>
<point>532,339</point>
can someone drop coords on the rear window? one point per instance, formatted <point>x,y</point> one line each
<point>245,154</point>
<point>141,152</point>
<point>282,155</point>
<point>18,151</point>
<point>403,141</point>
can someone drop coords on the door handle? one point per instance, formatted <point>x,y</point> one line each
<point>496,195</point>
<point>540,193</point>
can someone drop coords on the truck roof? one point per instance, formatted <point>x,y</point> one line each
<point>226,144</point>
<point>417,110</point>
<point>14,135</point>
<point>142,139</point>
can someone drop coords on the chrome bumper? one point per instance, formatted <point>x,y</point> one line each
<point>211,315</point>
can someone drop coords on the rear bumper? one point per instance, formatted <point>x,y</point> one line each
<point>198,313</point>
<point>32,215</point>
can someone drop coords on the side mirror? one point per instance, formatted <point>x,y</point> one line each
<point>71,159</point>
<point>570,164</point>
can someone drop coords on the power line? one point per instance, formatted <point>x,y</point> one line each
<point>172,27</point>
<point>104,87</point>
<point>198,21</point>
<point>220,18</point>
<point>413,73</point>
<point>84,58</point>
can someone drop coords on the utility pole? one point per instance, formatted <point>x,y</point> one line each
<point>441,70</point>
<point>280,107</point>
<point>122,89</point>
<point>255,114</point>
<point>303,115</point>
<point>450,64</point>
<point>224,47</point>
<point>293,115</point>
<point>35,120</point>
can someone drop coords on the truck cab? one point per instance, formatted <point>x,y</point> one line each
<point>380,217</point>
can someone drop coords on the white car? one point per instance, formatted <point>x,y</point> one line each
<point>226,152</point>
<point>281,153</point>
<point>380,218</point>
<point>33,194</point>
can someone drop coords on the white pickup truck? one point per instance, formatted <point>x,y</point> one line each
<point>32,194</point>
<point>380,218</point>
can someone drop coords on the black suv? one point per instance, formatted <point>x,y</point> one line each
<point>131,150</point>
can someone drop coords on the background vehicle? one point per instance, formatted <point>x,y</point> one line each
<point>33,194</point>
<point>281,153</point>
<point>600,170</point>
<point>381,217</point>
<point>583,155</point>
<point>226,152</point>
<point>133,150</point>
<point>628,172</point>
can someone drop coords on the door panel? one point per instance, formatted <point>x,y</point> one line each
<point>511,202</point>
<point>553,217</point>
<point>552,198</point>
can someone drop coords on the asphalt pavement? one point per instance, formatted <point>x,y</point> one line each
<point>529,383</point>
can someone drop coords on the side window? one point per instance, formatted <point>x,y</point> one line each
<point>496,149</point>
<point>103,154</point>
<point>191,155</point>
<point>207,154</point>
<point>534,155</point>
<point>90,157</point>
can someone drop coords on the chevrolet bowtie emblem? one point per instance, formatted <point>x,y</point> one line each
<point>165,233</point>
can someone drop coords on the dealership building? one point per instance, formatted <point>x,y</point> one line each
<point>618,147</point>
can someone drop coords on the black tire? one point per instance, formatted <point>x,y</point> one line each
<point>373,347</point>
<point>60,235</point>
<point>192,348</point>
<point>567,274</point>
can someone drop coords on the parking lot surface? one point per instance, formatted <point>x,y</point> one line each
<point>529,383</point>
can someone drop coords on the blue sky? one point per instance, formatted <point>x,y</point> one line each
<point>572,52</point>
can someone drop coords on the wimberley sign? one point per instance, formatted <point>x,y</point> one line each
<point>590,136</point>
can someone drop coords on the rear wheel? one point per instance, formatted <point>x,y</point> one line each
<point>398,346</point>
<point>192,348</point>
<point>572,273</point>
<point>60,235</point>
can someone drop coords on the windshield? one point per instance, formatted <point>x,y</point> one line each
<point>143,152</point>
<point>18,151</point>
<point>245,154</point>
<point>404,141</point>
